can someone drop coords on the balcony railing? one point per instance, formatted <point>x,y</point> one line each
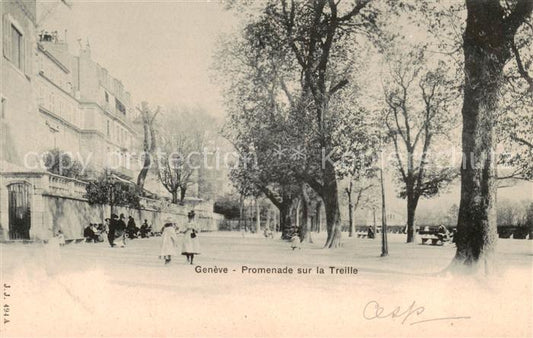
<point>65,186</point>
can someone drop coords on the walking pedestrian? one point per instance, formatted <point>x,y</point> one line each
<point>169,242</point>
<point>191,243</point>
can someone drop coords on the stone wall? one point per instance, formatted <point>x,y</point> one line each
<point>57,203</point>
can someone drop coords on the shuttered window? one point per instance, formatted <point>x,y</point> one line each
<point>17,47</point>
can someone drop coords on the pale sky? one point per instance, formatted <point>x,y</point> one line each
<point>161,50</point>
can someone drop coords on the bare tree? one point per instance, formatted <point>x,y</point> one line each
<point>149,144</point>
<point>417,111</point>
<point>176,167</point>
<point>354,192</point>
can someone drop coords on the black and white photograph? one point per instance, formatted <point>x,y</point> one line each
<point>266,168</point>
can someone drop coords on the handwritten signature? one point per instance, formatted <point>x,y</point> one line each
<point>373,310</point>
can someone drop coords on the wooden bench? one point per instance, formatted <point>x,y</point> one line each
<point>434,239</point>
<point>362,234</point>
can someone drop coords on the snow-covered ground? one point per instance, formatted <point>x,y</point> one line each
<point>95,290</point>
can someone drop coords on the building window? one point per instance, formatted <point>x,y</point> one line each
<point>17,48</point>
<point>108,131</point>
<point>106,97</point>
<point>3,108</point>
<point>120,107</point>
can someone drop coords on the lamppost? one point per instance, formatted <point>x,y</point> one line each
<point>384,244</point>
<point>111,185</point>
<point>374,217</point>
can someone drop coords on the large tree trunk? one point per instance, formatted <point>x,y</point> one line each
<point>331,204</point>
<point>350,216</point>
<point>183,191</point>
<point>268,220</point>
<point>241,211</point>
<point>250,217</point>
<point>297,209</point>
<point>305,233</point>
<point>285,220</point>
<point>294,226</point>
<point>175,197</point>
<point>147,158</point>
<point>257,216</point>
<point>412,203</point>
<point>149,143</point>
<point>486,51</point>
<point>141,178</point>
<point>318,215</point>
<point>350,210</point>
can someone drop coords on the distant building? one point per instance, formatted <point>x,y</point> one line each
<point>108,113</point>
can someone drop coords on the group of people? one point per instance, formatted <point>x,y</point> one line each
<point>190,245</point>
<point>133,231</point>
<point>116,228</point>
<point>94,232</point>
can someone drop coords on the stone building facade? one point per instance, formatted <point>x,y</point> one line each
<point>50,98</point>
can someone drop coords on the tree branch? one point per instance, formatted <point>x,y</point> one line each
<point>522,141</point>
<point>338,86</point>
<point>521,70</point>
<point>270,195</point>
<point>357,8</point>
<point>519,14</point>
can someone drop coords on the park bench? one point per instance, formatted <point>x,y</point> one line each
<point>434,239</point>
<point>364,234</point>
<point>433,236</point>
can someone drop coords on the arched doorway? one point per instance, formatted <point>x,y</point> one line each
<point>19,210</point>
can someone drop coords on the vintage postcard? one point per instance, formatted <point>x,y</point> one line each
<point>269,168</point>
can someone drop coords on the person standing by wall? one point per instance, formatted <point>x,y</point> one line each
<point>112,226</point>
<point>120,231</point>
<point>131,228</point>
<point>145,229</point>
<point>169,242</point>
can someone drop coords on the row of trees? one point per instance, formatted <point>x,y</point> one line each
<point>307,107</point>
